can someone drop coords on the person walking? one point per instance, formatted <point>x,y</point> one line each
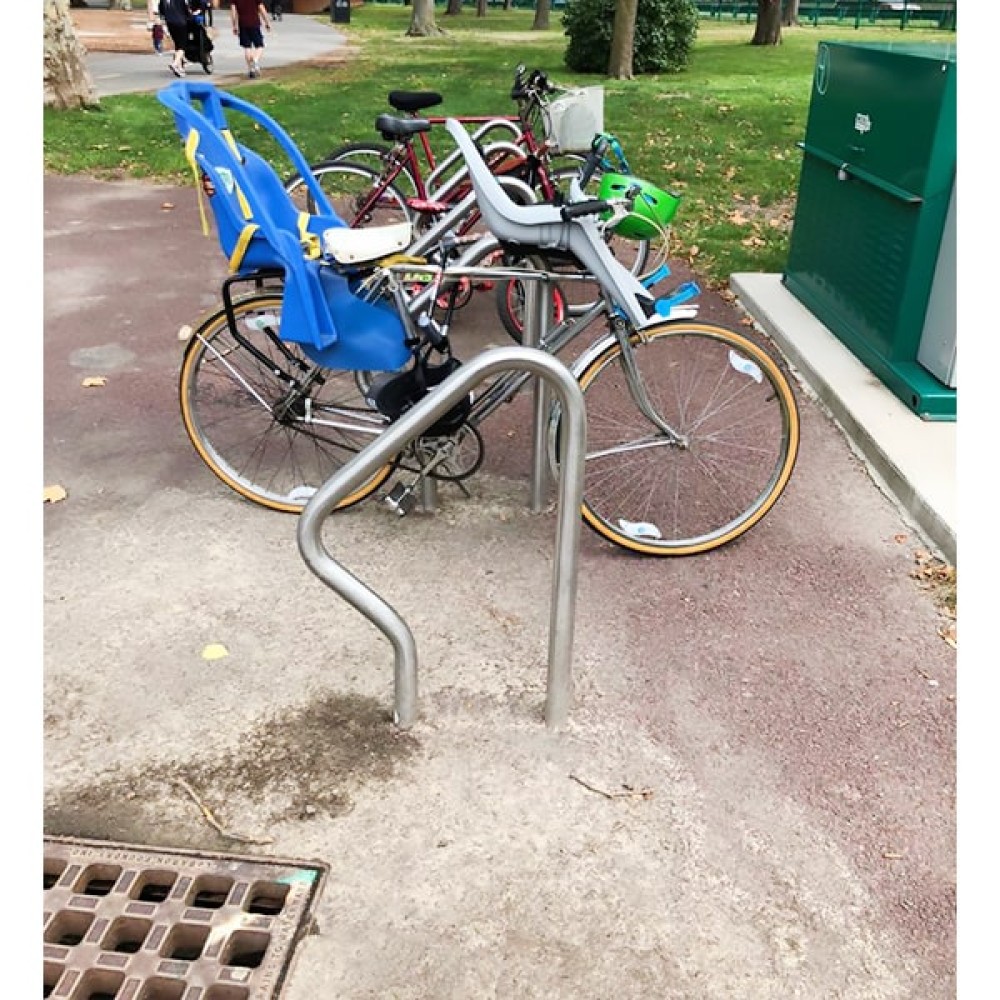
<point>176,14</point>
<point>247,17</point>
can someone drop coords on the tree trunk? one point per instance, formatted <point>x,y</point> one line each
<point>623,40</point>
<point>68,83</point>
<point>480,8</point>
<point>120,5</point>
<point>789,13</point>
<point>768,28</point>
<point>422,23</point>
<point>454,7</point>
<point>541,22</point>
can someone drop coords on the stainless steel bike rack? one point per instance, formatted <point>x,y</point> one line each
<point>391,442</point>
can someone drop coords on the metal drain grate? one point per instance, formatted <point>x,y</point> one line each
<point>123,923</point>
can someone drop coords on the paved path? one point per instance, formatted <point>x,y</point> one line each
<point>786,702</point>
<point>295,38</point>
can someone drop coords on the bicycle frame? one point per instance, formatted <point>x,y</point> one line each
<point>436,190</point>
<point>506,387</point>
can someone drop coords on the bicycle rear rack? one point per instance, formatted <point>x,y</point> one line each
<point>391,442</point>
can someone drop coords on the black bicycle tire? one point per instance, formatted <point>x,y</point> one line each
<point>323,169</point>
<point>378,152</point>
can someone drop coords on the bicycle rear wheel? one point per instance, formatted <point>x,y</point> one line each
<point>271,446</point>
<point>374,156</point>
<point>735,412</point>
<point>357,193</point>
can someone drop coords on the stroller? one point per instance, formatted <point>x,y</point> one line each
<point>198,46</point>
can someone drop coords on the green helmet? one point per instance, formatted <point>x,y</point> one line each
<point>652,209</point>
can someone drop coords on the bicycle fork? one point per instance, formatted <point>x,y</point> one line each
<point>637,386</point>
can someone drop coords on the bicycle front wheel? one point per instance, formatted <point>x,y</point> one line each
<point>240,408</point>
<point>357,193</point>
<point>736,427</point>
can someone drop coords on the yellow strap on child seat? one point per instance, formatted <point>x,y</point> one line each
<point>228,136</point>
<point>239,251</point>
<point>190,145</point>
<point>240,196</point>
<point>308,240</point>
<point>401,258</point>
<point>246,234</point>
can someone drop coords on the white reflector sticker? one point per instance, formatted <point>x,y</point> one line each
<point>261,322</point>
<point>639,529</point>
<point>746,367</point>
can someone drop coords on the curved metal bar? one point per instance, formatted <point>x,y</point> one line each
<point>572,450</point>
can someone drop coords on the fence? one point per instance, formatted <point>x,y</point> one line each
<point>907,13</point>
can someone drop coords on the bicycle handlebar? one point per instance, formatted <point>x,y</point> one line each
<point>537,83</point>
<point>592,206</point>
<point>594,158</point>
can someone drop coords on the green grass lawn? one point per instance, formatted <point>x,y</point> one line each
<point>723,133</point>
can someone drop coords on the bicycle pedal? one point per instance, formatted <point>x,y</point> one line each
<point>401,499</point>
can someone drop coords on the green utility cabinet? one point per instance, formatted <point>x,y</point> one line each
<point>871,237</point>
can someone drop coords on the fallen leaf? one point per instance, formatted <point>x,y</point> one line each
<point>899,539</point>
<point>95,381</point>
<point>184,333</point>
<point>166,206</point>
<point>53,494</point>
<point>214,651</point>
<point>950,634</point>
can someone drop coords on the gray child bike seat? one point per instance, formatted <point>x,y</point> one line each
<point>543,226</point>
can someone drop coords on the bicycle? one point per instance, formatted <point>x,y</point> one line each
<point>372,183</point>
<point>693,429</point>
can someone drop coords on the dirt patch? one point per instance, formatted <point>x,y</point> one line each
<point>113,30</point>
<point>303,764</point>
<point>778,216</point>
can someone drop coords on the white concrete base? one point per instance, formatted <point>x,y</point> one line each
<point>912,459</point>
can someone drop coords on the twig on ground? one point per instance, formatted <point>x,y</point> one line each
<point>207,813</point>
<point>629,793</point>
